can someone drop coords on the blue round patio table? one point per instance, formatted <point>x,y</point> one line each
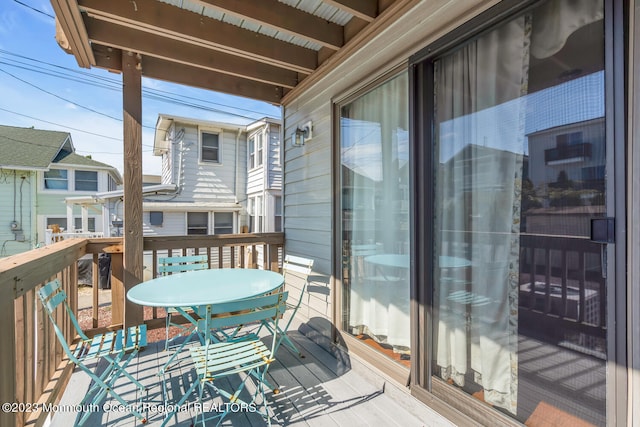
<point>200,290</point>
<point>205,287</point>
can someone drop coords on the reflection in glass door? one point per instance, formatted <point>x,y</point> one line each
<point>519,171</point>
<point>374,161</point>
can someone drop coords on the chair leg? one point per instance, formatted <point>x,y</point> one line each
<point>105,383</point>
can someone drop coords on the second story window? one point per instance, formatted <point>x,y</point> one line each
<point>86,181</point>
<point>277,213</point>
<point>197,222</point>
<point>255,151</point>
<point>56,179</point>
<point>210,147</point>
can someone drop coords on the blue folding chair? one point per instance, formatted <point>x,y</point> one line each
<point>247,354</point>
<point>180,264</point>
<point>295,270</point>
<point>116,347</point>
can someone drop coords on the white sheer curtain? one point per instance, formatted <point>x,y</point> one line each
<point>480,115</point>
<point>480,139</point>
<point>374,157</point>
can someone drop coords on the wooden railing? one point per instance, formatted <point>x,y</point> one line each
<point>33,368</point>
<point>562,291</point>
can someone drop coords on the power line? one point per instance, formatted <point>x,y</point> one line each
<point>34,9</point>
<point>59,97</point>
<point>148,90</point>
<point>57,124</point>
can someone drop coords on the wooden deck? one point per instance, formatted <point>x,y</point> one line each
<point>318,390</point>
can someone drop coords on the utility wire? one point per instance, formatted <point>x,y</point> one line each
<point>58,124</point>
<point>118,84</point>
<point>34,9</point>
<point>59,97</point>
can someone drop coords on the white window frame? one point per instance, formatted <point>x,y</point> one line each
<point>256,150</point>
<point>75,180</point>
<point>68,179</point>
<point>209,131</point>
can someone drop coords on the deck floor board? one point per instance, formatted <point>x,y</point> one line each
<point>317,390</point>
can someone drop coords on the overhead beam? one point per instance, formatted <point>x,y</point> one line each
<point>172,22</point>
<point>148,45</point>
<point>364,9</point>
<point>191,76</point>
<point>70,22</point>
<point>280,17</point>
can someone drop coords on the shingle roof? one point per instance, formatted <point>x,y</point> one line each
<point>29,148</point>
<point>78,160</point>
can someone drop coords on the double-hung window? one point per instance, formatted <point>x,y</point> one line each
<point>210,147</point>
<point>86,181</point>
<point>223,223</point>
<point>256,144</point>
<point>197,223</point>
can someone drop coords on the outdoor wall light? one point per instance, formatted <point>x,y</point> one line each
<point>302,134</point>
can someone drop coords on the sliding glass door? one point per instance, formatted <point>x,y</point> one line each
<point>516,130</point>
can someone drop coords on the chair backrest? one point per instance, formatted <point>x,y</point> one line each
<point>52,296</point>
<point>248,310</point>
<point>180,264</point>
<point>298,266</point>
<point>297,269</point>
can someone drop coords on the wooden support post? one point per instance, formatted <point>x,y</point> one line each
<point>133,238</point>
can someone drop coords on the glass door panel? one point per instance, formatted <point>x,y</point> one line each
<point>374,158</point>
<point>519,295</point>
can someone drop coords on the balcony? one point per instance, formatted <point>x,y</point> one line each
<point>326,387</point>
<point>571,153</point>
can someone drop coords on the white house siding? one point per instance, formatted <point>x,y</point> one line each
<point>206,182</point>
<point>17,204</point>
<point>255,182</point>
<point>308,190</point>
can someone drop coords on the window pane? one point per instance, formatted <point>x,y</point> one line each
<point>86,181</point>
<point>223,223</point>
<point>252,153</point>
<point>60,222</point>
<point>56,179</point>
<point>91,224</point>
<point>374,152</point>
<point>197,222</point>
<point>278,213</point>
<point>210,147</point>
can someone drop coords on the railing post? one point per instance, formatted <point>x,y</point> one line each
<point>273,258</point>
<point>117,284</point>
<point>7,354</point>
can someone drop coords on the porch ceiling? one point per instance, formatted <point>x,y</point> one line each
<point>257,49</point>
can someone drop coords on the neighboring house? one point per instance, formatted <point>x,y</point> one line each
<point>38,170</point>
<point>217,178</point>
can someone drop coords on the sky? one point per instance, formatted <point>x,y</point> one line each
<point>42,86</point>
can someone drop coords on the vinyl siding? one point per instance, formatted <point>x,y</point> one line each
<point>308,189</point>
<point>173,224</point>
<point>21,211</point>
<point>206,181</point>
